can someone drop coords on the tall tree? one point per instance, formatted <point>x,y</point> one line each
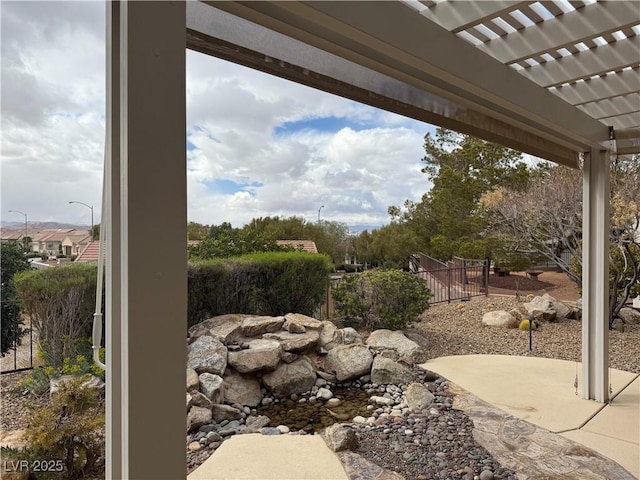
<point>461,169</point>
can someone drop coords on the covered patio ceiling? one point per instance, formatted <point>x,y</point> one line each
<point>551,78</point>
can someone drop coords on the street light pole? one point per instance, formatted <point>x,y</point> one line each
<point>26,230</point>
<point>90,207</point>
<point>321,207</point>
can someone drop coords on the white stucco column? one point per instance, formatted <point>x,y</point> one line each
<point>146,271</point>
<point>595,277</point>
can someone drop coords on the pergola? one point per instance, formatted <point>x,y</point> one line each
<point>556,79</point>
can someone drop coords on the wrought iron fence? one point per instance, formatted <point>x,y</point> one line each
<point>457,279</point>
<point>20,356</point>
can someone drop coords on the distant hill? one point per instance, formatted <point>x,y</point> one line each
<point>43,225</point>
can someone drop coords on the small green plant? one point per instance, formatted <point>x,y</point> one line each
<point>38,381</point>
<point>70,430</point>
<point>382,298</point>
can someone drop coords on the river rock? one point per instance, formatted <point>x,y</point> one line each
<point>242,389</point>
<point>304,320</point>
<point>290,378</point>
<point>197,417</point>
<point>258,326</point>
<point>349,361</point>
<point>339,437</point>
<point>262,354</point>
<point>294,342</point>
<point>385,371</point>
<point>212,386</point>
<point>207,354</point>
<point>418,397</point>
<point>253,423</point>
<point>499,318</point>
<point>409,351</point>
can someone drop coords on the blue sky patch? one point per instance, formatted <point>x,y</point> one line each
<point>229,187</point>
<point>323,124</point>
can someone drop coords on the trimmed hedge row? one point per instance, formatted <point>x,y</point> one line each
<point>271,283</point>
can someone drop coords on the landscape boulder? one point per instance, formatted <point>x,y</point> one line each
<point>243,389</point>
<point>408,350</point>
<point>258,326</point>
<point>339,437</point>
<point>349,361</point>
<point>386,371</point>
<point>225,328</point>
<point>330,336</point>
<point>86,381</point>
<point>629,315</point>
<point>351,336</point>
<point>499,318</point>
<point>212,386</point>
<point>304,320</point>
<point>193,382</point>
<point>289,378</point>
<point>207,354</point>
<point>197,417</point>
<point>541,309</point>
<point>220,413</point>
<point>418,397</point>
<point>262,354</point>
<point>295,342</point>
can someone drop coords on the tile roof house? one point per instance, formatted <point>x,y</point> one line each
<point>90,253</point>
<point>308,246</point>
<point>52,241</point>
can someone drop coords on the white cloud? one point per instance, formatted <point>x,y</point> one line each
<point>53,94</point>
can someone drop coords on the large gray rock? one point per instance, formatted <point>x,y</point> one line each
<point>339,437</point>
<point>294,342</point>
<point>197,417</point>
<point>193,382</point>
<point>385,371</point>
<point>242,389</point>
<point>418,397</point>
<point>289,378</point>
<point>409,351</point>
<point>304,320</point>
<point>330,336</point>
<point>212,386</point>
<point>257,326</point>
<point>226,328</point>
<point>262,354</point>
<point>541,309</point>
<point>562,309</point>
<point>253,423</point>
<point>499,318</point>
<point>629,315</point>
<point>349,361</point>
<point>225,412</point>
<point>207,354</point>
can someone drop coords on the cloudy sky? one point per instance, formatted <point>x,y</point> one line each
<point>257,145</point>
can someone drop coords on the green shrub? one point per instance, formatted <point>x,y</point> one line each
<point>382,298</point>
<point>60,302</point>
<point>272,283</point>
<point>69,430</point>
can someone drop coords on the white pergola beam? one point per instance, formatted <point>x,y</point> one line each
<point>583,65</point>
<point>595,275</point>
<point>459,16</point>
<point>565,30</point>
<point>147,281</point>
<point>600,88</point>
<point>622,122</point>
<point>617,106</point>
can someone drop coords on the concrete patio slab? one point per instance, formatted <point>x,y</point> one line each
<point>271,457</point>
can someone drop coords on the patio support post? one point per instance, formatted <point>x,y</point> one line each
<point>595,277</point>
<point>147,264</point>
